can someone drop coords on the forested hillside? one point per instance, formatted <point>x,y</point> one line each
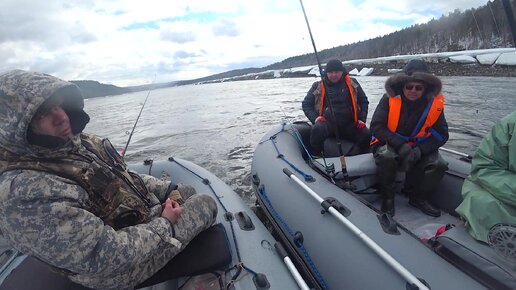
<point>92,89</point>
<point>484,27</point>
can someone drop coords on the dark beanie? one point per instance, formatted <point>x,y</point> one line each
<point>335,65</point>
<point>415,65</point>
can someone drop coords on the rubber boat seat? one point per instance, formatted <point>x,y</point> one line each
<point>477,259</point>
<point>206,253</point>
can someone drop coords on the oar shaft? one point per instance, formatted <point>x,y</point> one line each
<point>409,277</point>
<point>378,250</point>
<point>303,185</point>
<point>293,270</point>
<point>455,152</point>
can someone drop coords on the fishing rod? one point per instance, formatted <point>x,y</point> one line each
<point>330,105</point>
<point>137,119</point>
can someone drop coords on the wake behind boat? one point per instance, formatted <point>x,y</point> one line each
<point>238,252</point>
<point>334,229</point>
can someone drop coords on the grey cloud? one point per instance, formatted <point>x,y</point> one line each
<point>167,68</point>
<point>6,53</point>
<point>226,28</point>
<point>184,54</point>
<point>39,22</point>
<point>86,4</point>
<point>177,36</point>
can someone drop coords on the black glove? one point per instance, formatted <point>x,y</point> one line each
<point>404,151</point>
<point>409,156</point>
<point>417,154</point>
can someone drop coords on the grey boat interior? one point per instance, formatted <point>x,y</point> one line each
<point>478,260</point>
<point>238,252</point>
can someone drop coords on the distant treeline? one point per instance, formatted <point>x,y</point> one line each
<point>484,27</point>
<point>480,28</point>
<point>92,89</point>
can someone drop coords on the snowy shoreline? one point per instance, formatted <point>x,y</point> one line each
<point>497,62</point>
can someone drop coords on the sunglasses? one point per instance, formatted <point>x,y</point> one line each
<point>418,88</point>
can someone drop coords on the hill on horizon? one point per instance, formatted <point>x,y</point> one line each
<point>477,28</point>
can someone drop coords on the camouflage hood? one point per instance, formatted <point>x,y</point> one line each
<point>21,95</point>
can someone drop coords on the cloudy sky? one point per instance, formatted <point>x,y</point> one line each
<point>133,42</point>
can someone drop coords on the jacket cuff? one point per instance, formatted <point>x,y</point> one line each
<point>165,230</point>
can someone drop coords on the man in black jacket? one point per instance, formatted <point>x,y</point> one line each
<point>337,106</point>
<point>409,126</point>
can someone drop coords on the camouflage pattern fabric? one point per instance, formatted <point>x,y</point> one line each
<point>45,216</point>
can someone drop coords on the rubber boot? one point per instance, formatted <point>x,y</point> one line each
<point>388,202</point>
<point>386,160</point>
<point>419,201</point>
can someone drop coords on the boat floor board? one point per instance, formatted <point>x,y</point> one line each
<point>414,220</point>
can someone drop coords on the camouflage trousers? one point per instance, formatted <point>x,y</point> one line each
<point>199,213</point>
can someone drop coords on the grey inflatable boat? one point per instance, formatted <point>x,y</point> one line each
<point>237,253</point>
<point>332,228</point>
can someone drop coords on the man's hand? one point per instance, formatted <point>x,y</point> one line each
<point>171,210</point>
<point>320,119</point>
<point>360,124</point>
<point>409,156</point>
<point>404,153</point>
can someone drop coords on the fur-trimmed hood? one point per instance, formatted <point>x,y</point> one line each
<point>415,70</point>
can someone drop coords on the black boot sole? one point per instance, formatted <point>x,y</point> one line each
<point>432,214</point>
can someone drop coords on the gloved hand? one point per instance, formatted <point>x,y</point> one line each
<point>411,157</point>
<point>404,153</point>
<point>360,124</point>
<point>417,154</point>
<point>320,119</point>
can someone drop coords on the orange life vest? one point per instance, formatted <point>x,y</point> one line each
<point>352,93</point>
<point>429,117</point>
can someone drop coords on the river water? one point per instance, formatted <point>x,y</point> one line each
<point>217,126</point>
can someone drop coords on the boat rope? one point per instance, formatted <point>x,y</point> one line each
<point>277,217</point>
<point>308,177</point>
<point>300,140</point>
<point>386,257</point>
<point>240,265</point>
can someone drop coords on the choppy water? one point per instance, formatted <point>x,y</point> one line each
<point>218,125</point>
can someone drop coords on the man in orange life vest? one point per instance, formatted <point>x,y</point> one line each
<point>339,105</point>
<point>408,127</point>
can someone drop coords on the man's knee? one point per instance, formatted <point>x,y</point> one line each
<point>208,206</point>
<point>186,190</point>
<point>199,213</point>
<point>318,134</point>
<point>433,163</point>
<point>385,155</point>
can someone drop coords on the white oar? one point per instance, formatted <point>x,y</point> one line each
<point>456,152</point>
<point>293,270</point>
<point>409,277</point>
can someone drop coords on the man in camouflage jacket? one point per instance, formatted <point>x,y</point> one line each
<point>67,198</point>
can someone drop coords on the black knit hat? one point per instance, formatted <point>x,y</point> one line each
<point>335,65</point>
<point>415,65</point>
